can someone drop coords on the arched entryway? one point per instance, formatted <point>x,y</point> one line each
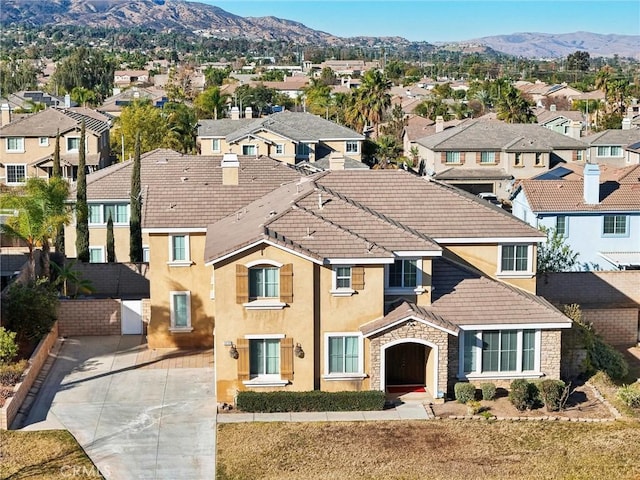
<point>409,362</point>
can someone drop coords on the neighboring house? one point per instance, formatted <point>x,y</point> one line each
<point>113,105</point>
<point>290,137</point>
<point>28,144</point>
<point>418,127</point>
<point>567,122</point>
<point>127,78</point>
<point>338,282</point>
<point>632,153</point>
<point>608,147</point>
<point>599,217</point>
<point>483,155</point>
<point>292,87</point>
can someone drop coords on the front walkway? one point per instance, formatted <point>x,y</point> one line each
<point>135,412</point>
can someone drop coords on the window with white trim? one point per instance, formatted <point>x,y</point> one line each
<point>279,150</point>
<point>15,174</point>
<point>99,213</point>
<point>73,144</point>
<point>614,225</point>
<point>610,151</point>
<point>264,357</point>
<point>343,355</point>
<point>179,249</point>
<point>248,149</point>
<point>514,258</point>
<point>180,310</point>
<point>215,145</point>
<point>500,351</point>
<point>264,282</point>
<point>96,254</point>
<point>146,255</point>
<point>452,157</point>
<point>15,144</point>
<point>579,155</point>
<point>43,141</point>
<point>343,278</point>
<point>303,149</point>
<point>561,225</point>
<point>352,146</point>
<point>487,157</point>
<point>403,273</point>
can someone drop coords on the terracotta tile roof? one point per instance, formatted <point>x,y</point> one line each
<point>568,195</point>
<point>407,311</point>
<point>465,297</point>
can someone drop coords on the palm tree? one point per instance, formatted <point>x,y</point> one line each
<point>514,108</point>
<point>211,103</point>
<point>387,152</point>
<point>40,212</point>
<point>373,98</point>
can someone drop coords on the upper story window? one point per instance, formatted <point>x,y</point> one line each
<point>99,213</point>
<point>452,157</point>
<point>15,144</point>
<point>538,161</point>
<point>303,150</point>
<point>579,155</point>
<point>610,151</point>
<point>517,160</point>
<point>279,150</point>
<point>15,174</point>
<point>487,157</point>
<point>179,250</point>
<point>43,141</point>
<point>352,146</point>
<point>215,145</point>
<point>515,259</point>
<point>264,285</point>
<point>264,282</point>
<point>403,273</point>
<point>73,144</point>
<point>561,225</point>
<point>96,254</point>
<point>248,149</point>
<point>614,225</point>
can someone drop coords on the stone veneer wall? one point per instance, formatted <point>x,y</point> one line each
<point>551,353</point>
<point>418,331</point>
<point>617,326</point>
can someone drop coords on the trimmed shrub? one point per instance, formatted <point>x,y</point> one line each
<point>474,407</point>
<point>8,346</point>
<point>464,392</point>
<point>523,394</point>
<point>488,391</point>
<point>603,356</point>
<point>10,373</point>
<point>552,393</point>
<point>312,401</point>
<point>629,395</point>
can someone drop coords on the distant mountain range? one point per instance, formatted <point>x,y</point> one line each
<point>180,15</point>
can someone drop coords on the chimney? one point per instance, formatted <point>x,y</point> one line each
<point>552,107</point>
<point>439,124</point>
<point>575,128</point>
<point>5,114</point>
<point>235,113</point>
<point>626,123</point>
<point>67,101</point>
<point>230,168</point>
<point>336,162</point>
<point>591,184</point>
<point>248,112</point>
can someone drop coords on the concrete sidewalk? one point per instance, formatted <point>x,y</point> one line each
<point>135,417</point>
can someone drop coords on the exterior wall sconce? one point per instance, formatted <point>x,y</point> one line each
<point>298,351</point>
<point>233,352</point>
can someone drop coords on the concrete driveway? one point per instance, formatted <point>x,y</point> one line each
<point>138,413</point>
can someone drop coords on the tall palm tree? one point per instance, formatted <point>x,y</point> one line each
<point>211,103</point>
<point>514,108</point>
<point>373,98</point>
<point>40,211</point>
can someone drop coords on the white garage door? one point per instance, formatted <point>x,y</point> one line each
<point>131,317</point>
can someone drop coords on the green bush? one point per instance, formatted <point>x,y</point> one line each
<point>603,356</point>
<point>30,310</point>
<point>312,401</point>
<point>10,373</point>
<point>523,394</point>
<point>552,394</point>
<point>488,391</point>
<point>474,407</point>
<point>464,392</point>
<point>629,395</point>
<point>8,346</point>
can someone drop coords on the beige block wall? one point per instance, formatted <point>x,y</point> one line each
<point>89,317</point>
<point>163,279</point>
<point>617,326</point>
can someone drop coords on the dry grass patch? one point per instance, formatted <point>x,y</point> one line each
<point>51,455</point>
<point>434,449</point>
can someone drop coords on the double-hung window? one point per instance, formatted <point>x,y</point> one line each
<point>343,278</point>
<point>498,351</point>
<point>43,141</point>
<point>264,357</point>
<point>487,157</point>
<point>96,254</point>
<point>610,151</point>
<point>344,355</point>
<point>352,146</point>
<point>452,157</point>
<point>215,145</point>
<point>179,249</point>
<point>517,160</point>
<point>180,311</point>
<point>73,144</point>
<point>614,225</point>
<point>303,150</point>
<point>99,213</point>
<point>16,174</point>
<point>514,258</point>
<point>279,149</point>
<point>538,160</point>
<point>561,225</point>
<point>403,273</point>
<point>264,282</point>
<point>248,150</point>
<point>15,144</point>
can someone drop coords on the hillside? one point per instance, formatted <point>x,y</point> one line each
<point>546,45</point>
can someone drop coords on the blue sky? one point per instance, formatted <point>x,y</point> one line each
<point>437,21</point>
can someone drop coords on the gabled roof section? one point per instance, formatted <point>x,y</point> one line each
<point>47,123</point>
<point>466,297</point>
<point>614,137</point>
<point>477,135</point>
<point>405,312</point>
<point>490,173</point>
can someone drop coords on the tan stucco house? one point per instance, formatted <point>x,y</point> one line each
<point>27,144</point>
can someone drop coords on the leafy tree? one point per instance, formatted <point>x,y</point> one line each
<point>88,68</point>
<point>30,310</point>
<point>181,123</point>
<point>83,96</point>
<point>578,60</point>
<point>135,222</point>
<point>514,108</point>
<point>82,208</point>
<point>555,255</point>
<point>214,77</point>
<point>259,98</point>
<point>317,97</point>
<point>327,77</point>
<point>111,246</point>
<point>272,76</point>
<point>67,275</point>
<point>396,123</point>
<point>211,103</point>
<point>432,108</point>
<point>17,74</point>
<point>41,210</point>
<point>142,118</point>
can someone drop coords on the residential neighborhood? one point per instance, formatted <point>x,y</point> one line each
<point>238,247</point>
